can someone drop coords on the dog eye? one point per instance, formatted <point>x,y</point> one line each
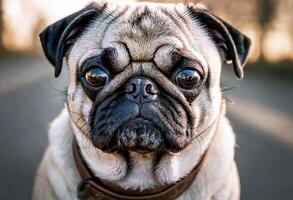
<point>188,79</point>
<point>96,77</point>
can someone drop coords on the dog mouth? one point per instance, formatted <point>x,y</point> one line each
<point>119,125</point>
<point>136,134</point>
<point>141,135</point>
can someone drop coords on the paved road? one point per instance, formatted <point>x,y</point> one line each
<point>262,116</point>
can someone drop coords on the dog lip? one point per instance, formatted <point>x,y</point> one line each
<point>141,104</point>
<point>141,151</point>
<point>142,119</point>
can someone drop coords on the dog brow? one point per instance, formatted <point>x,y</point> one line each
<point>114,18</point>
<point>107,56</point>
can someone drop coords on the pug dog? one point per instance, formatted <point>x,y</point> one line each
<point>144,116</point>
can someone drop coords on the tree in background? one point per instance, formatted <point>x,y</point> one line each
<point>1,26</point>
<point>266,11</point>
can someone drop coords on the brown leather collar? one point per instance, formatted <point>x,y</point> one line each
<point>92,188</point>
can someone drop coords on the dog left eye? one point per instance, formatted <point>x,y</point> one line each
<point>188,79</point>
<point>96,77</point>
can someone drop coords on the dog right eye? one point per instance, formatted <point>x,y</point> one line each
<point>96,77</point>
<point>188,79</point>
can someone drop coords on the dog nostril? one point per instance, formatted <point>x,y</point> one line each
<point>130,88</point>
<point>133,88</point>
<point>150,89</point>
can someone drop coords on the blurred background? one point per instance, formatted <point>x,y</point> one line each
<point>260,106</point>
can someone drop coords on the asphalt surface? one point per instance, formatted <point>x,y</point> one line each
<point>261,111</point>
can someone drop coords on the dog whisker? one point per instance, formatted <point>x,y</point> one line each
<point>227,89</point>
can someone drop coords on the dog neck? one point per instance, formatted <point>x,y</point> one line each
<point>113,168</point>
<point>144,171</point>
<point>92,187</point>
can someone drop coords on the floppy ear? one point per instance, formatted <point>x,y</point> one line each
<point>232,44</point>
<point>58,37</point>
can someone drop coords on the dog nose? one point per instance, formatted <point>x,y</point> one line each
<point>141,90</point>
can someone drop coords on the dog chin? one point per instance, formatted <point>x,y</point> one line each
<point>139,135</point>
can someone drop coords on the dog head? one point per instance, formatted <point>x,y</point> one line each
<point>143,77</point>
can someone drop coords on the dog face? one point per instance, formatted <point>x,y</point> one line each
<point>143,77</point>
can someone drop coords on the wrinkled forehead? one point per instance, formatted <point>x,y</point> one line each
<point>143,32</point>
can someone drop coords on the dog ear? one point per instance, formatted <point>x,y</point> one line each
<point>232,44</point>
<point>58,37</point>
